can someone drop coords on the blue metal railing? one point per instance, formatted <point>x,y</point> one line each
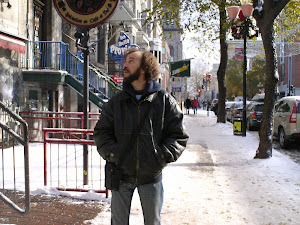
<point>57,56</point>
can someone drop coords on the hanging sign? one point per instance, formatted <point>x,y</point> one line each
<point>180,69</point>
<point>118,51</point>
<point>118,79</point>
<point>176,89</point>
<point>83,13</point>
<point>239,53</point>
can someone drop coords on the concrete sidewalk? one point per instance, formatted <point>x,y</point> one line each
<point>221,183</point>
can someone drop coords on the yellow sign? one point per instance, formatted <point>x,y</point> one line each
<point>83,13</point>
<point>180,68</point>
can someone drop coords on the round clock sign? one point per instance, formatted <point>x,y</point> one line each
<point>85,13</point>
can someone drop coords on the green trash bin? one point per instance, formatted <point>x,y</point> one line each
<point>237,126</point>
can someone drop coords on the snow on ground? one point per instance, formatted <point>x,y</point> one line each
<point>64,170</point>
<point>215,181</point>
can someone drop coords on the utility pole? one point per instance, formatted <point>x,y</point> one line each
<point>86,82</point>
<point>82,39</point>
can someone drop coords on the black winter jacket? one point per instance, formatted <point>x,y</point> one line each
<point>141,137</point>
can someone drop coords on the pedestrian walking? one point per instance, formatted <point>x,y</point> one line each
<point>195,104</point>
<point>214,108</point>
<point>139,132</point>
<point>188,105</point>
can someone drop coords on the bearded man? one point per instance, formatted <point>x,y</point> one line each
<point>140,131</point>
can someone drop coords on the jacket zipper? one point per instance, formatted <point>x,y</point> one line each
<point>137,143</point>
<point>137,148</point>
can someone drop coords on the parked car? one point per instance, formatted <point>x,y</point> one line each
<point>235,110</point>
<point>227,106</point>
<point>286,120</point>
<point>254,115</point>
<point>259,97</point>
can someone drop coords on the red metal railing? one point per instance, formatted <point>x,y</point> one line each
<point>37,120</point>
<point>71,158</point>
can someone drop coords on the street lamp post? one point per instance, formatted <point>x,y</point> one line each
<point>233,12</point>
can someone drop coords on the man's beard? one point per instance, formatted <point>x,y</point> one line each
<point>133,76</point>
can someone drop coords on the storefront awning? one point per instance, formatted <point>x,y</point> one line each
<point>12,43</point>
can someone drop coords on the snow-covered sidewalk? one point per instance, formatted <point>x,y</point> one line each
<point>217,181</point>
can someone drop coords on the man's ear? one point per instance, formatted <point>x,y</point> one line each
<point>142,72</point>
<point>142,75</point>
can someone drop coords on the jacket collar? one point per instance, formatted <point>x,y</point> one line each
<point>149,92</point>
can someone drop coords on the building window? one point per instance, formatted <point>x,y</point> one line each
<point>167,18</point>
<point>281,52</point>
<point>155,54</point>
<point>172,51</point>
<point>38,12</point>
<point>290,67</point>
<point>33,95</point>
<point>282,72</point>
<point>159,56</point>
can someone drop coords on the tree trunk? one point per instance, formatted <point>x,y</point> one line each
<point>265,13</point>
<point>222,66</point>
<point>265,134</point>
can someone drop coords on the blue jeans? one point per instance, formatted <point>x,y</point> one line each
<point>151,197</point>
<point>195,110</point>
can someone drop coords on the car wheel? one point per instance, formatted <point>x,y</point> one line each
<point>282,139</point>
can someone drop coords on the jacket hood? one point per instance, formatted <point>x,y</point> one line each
<point>151,87</point>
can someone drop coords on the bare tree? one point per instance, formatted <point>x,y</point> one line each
<point>196,80</point>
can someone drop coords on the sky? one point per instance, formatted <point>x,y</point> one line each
<point>191,49</point>
<point>215,181</point>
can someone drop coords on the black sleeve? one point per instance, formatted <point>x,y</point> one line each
<point>175,137</point>
<point>104,135</point>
